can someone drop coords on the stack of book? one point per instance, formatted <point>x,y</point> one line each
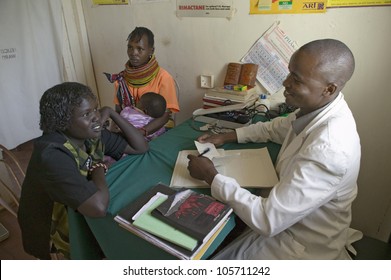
<point>239,86</point>
<point>184,223</point>
<point>221,96</point>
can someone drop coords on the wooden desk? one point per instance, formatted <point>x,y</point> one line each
<point>128,179</point>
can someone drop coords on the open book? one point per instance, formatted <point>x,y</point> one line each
<point>241,74</point>
<point>251,168</point>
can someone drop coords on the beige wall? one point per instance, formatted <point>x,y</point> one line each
<point>189,47</point>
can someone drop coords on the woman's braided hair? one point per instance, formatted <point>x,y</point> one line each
<point>139,32</point>
<point>58,103</point>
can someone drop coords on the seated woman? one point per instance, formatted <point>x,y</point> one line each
<point>143,74</point>
<point>66,168</point>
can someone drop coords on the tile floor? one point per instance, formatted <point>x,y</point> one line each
<point>11,248</point>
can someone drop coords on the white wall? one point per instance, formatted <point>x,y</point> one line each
<point>189,47</point>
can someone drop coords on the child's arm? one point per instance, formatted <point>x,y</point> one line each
<point>157,123</point>
<point>136,141</point>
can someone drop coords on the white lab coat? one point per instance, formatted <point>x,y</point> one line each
<point>308,212</point>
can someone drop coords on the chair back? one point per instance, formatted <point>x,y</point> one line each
<point>172,121</point>
<point>13,164</point>
<point>11,180</point>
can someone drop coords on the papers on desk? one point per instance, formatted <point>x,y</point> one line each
<point>252,168</point>
<point>193,213</point>
<point>138,219</point>
<point>149,223</point>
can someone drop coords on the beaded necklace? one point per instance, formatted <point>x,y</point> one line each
<point>134,76</point>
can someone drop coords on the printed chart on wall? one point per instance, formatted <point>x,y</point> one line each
<point>287,7</point>
<point>272,53</point>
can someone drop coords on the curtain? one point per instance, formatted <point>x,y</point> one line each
<point>30,63</point>
<point>42,43</point>
<point>76,53</point>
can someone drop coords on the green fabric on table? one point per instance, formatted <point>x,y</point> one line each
<point>131,177</point>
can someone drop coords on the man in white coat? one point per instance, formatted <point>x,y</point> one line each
<point>307,214</point>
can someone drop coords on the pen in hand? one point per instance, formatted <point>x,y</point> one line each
<point>204,152</point>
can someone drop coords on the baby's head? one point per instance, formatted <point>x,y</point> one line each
<point>152,104</point>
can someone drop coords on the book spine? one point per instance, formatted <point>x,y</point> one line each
<point>237,98</point>
<point>228,97</point>
<point>218,102</point>
<point>207,106</point>
<point>233,92</point>
<point>222,99</point>
<point>165,245</point>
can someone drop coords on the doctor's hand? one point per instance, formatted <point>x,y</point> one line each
<point>218,139</point>
<point>201,168</point>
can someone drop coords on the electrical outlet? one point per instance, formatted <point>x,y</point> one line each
<point>207,81</point>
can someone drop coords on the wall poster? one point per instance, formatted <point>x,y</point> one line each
<point>357,3</point>
<point>287,6</point>
<point>308,6</point>
<point>204,8</point>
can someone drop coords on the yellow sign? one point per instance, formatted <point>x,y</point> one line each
<point>357,3</point>
<point>287,7</point>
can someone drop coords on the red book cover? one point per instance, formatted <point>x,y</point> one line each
<point>196,214</point>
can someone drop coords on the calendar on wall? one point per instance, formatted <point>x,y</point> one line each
<point>272,53</point>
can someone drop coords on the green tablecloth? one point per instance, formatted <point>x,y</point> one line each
<point>128,179</point>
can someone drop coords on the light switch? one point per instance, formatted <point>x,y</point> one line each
<point>207,81</point>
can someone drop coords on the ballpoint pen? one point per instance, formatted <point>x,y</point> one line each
<point>204,152</point>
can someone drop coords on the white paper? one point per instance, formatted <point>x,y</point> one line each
<point>149,203</point>
<point>201,147</point>
<point>250,167</point>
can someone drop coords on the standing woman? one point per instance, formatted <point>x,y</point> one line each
<point>143,74</point>
<point>66,168</point>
